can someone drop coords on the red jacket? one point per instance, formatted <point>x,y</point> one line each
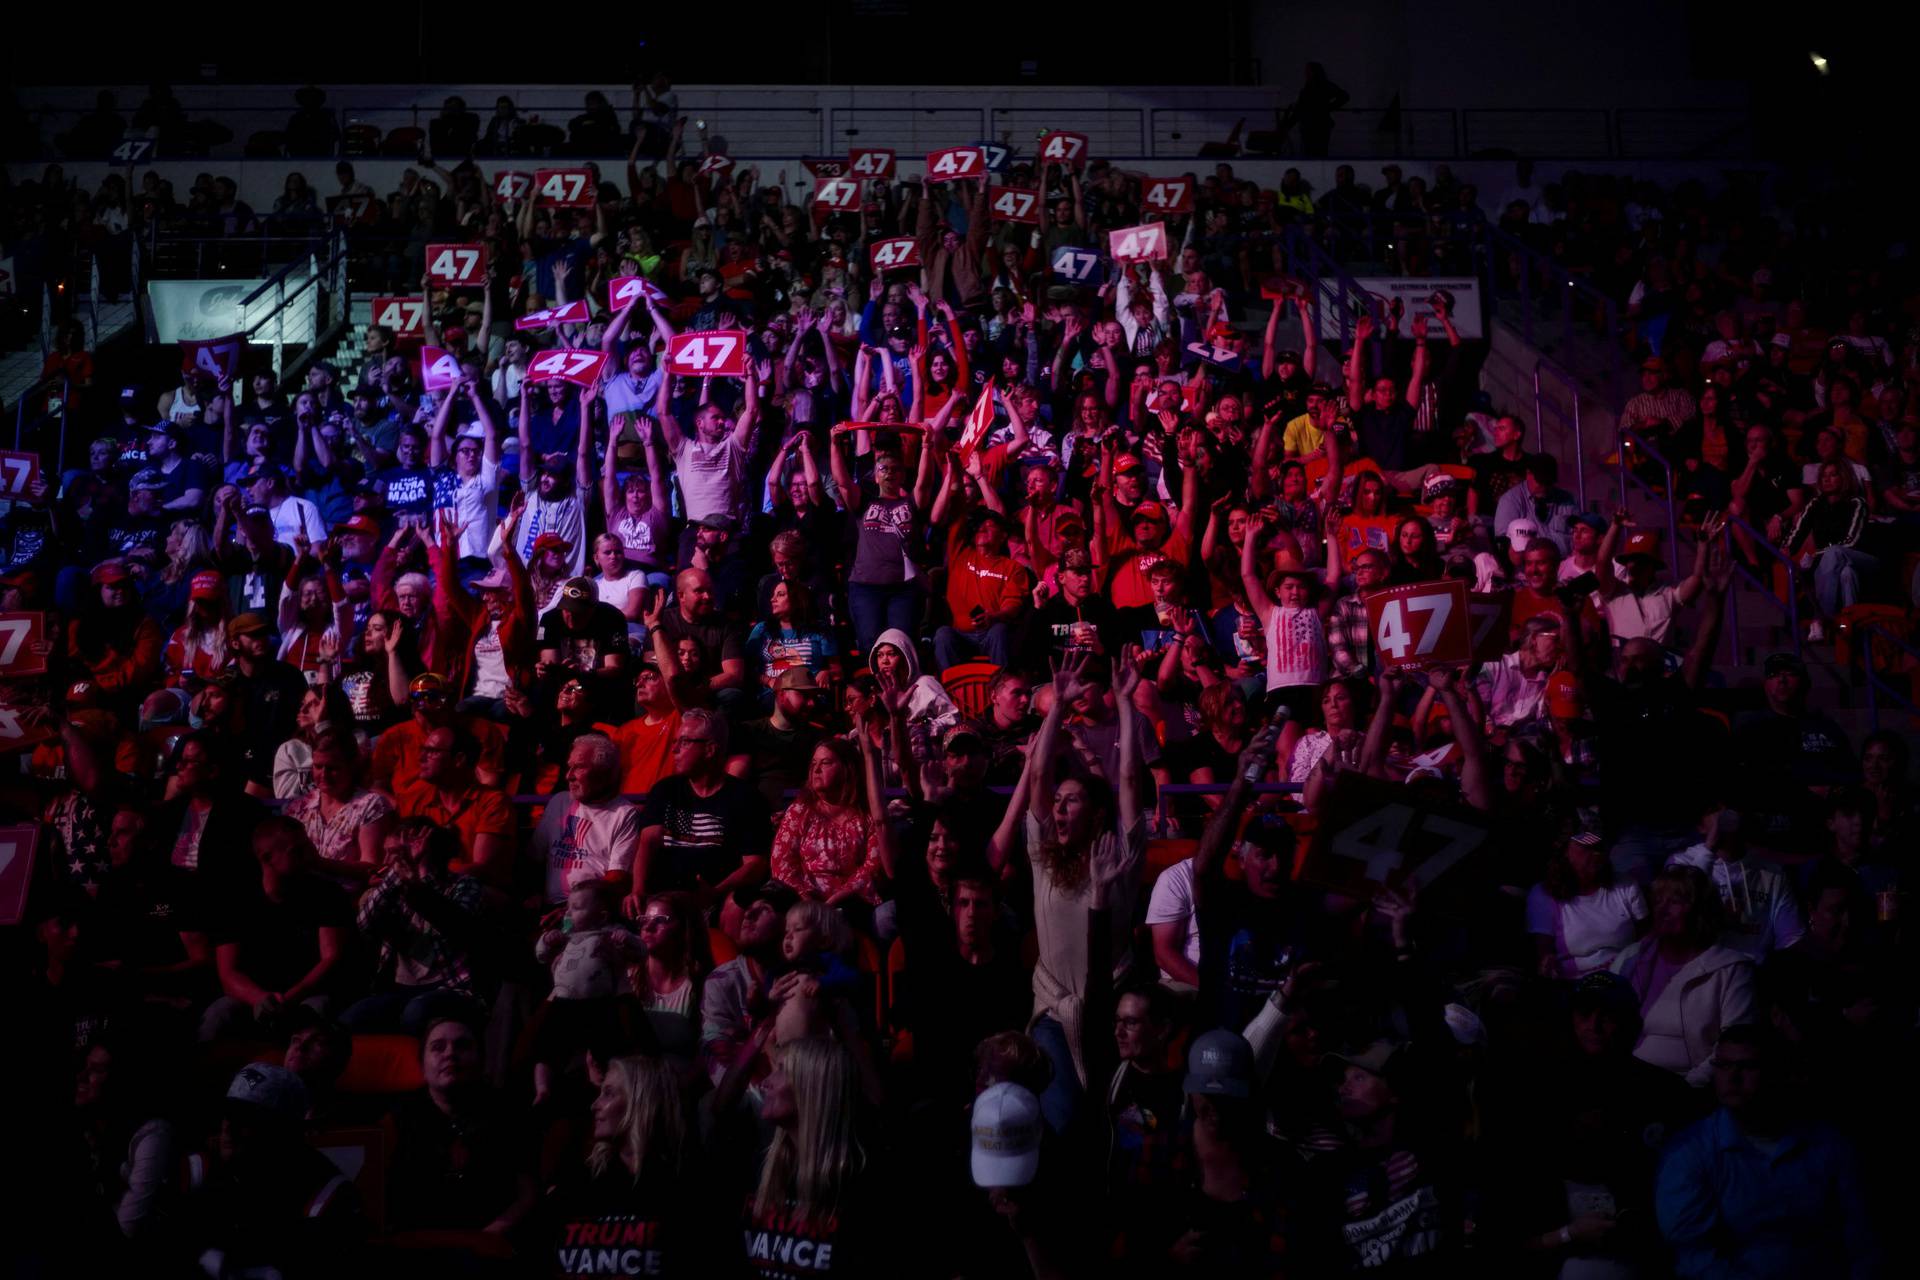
<point>460,619</point>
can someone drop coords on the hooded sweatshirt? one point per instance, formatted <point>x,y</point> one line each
<point>928,705</point>
<point>1761,910</point>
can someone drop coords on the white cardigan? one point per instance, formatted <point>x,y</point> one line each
<point>1712,992</point>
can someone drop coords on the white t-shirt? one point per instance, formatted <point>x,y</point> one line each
<point>713,478</point>
<point>296,516</point>
<point>490,678</point>
<point>578,842</point>
<point>1631,617</point>
<point>506,383</point>
<point>1296,647</point>
<point>476,502</point>
<point>1589,931</point>
<point>554,515</point>
<point>1171,903</point>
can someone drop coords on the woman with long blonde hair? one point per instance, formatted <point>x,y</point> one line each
<point>631,1196</point>
<point>812,1183</point>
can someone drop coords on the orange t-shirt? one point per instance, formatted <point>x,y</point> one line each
<point>646,752</point>
<point>482,811</point>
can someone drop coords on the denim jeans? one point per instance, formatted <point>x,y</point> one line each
<point>1836,577</point>
<point>878,607</point>
<point>951,646</point>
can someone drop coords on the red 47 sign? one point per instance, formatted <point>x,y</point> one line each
<point>457,266</point>
<point>18,471</point>
<point>16,854</point>
<point>871,162</point>
<point>581,368</point>
<point>22,644</point>
<point>1374,834</point>
<point>563,188</point>
<point>212,355</point>
<point>1016,204</point>
<point>407,317</point>
<point>553,317</point>
<point>1138,244</point>
<point>955,162</point>
<point>513,185</point>
<point>712,353</point>
<point>897,251</point>
<point>627,289</point>
<point>439,371</point>
<point>836,193</point>
<point>1168,195</point>
<point>1061,147</point>
<point>1420,624</point>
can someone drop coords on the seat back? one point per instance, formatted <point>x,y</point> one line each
<point>967,685</point>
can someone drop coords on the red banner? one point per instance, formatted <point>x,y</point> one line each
<point>1420,624</point>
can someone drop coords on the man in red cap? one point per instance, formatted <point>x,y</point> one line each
<point>1640,606</point>
<point>1132,542</point>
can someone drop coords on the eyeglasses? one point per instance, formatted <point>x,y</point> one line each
<point>691,742</point>
<point>655,922</point>
<point>573,686</point>
<point>427,695</point>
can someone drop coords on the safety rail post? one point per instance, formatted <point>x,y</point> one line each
<point>1565,379</point>
<point>1760,541</point>
<point>1633,440</point>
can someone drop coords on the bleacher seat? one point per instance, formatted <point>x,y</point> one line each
<point>360,140</point>
<point>403,143</point>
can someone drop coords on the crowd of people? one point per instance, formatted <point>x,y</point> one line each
<point>735,810</point>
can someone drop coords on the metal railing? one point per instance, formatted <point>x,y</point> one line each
<point>1514,270</point>
<point>332,303</point>
<point>1876,685</point>
<point>1742,534</point>
<point>816,120</point>
<point>1568,421</point>
<point>1171,790</point>
<point>1633,446</point>
<point>1336,292</point>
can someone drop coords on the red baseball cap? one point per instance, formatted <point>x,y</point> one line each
<point>551,542</point>
<point>366,526</point>
<point>1148,511</point>
<point>207,585</point>
<point>109,572</point>
<point>1124,463</point>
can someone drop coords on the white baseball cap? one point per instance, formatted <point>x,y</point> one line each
<point>1521,533</point>
<point>1006,1137</point>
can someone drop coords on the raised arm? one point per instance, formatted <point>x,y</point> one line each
<point>527,467</point>
<point>437,438</point>
<point>1256,590</point>
<point>1309,340</point>
<point>1418,382</point>
<point>1209,857</point>
<point>743,426</point>
<point>1356,362</point>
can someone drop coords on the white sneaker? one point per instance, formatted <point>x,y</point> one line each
<point>1816,633</point>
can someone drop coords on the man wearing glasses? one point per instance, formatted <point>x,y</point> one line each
<point>703,830</point>
<point>594,832</point>
<point>396,757</point>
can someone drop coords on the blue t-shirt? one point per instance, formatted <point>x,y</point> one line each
<point>409,490</point>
